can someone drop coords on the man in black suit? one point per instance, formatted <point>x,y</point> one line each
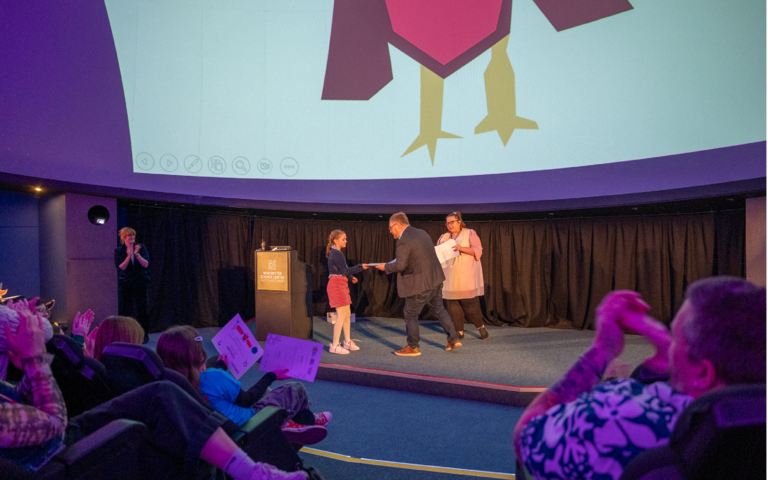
<point>419,281</point>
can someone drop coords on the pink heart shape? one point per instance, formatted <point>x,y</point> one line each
<point>444,29</point>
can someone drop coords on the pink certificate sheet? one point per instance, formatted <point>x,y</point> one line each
<point>300,357</point>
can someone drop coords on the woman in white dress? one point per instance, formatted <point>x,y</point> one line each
<point>463,276</point>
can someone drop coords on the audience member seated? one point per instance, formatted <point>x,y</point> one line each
<point>181,431</point>
<point>9,317</point>
<point>181,349</point>
<point>579,429</point>
<point>112,329</point>
<point>44,310</point>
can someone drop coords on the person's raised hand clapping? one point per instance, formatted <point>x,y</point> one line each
<point>29,339</point>
<point>656,333</point>
<point>81,325</point>
<point>609,339</point>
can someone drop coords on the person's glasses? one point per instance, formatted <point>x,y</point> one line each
<point>391,227</point>
<point>448,224</point>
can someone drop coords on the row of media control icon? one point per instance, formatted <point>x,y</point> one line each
<point>216,165</point>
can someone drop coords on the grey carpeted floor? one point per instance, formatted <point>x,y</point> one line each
<point>511,356</point>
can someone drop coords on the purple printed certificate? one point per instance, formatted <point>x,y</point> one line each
<point>300,357</point>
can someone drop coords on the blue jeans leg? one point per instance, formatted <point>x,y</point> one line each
<point>413,307</point>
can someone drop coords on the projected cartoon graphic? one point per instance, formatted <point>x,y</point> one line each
<point>443,36</point>
<point>421,89</point>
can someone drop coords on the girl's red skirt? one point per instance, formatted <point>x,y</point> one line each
<point>338,291</point>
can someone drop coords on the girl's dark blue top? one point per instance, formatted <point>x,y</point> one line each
<point>337,264</point>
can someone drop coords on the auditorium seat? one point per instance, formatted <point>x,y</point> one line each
<point>262,439</point>
<point>721,435</point>
<point>82,380</point>
<point>110,452</point>
<point>129,366</point>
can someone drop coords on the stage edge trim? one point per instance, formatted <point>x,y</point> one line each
<point>431,378</point>
<point>408,466</point>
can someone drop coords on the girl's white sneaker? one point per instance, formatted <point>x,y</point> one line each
<point>338,349</point>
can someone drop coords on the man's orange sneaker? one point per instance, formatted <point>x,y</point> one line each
<point>408,352</point>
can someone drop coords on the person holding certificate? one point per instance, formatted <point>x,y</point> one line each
<point>463,276</point>
<point>338,290</point>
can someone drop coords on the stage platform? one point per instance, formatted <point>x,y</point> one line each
<point>509,368</point>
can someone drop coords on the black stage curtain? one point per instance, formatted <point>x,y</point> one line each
<point>537,272</point>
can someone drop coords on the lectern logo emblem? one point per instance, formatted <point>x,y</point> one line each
<point>272,264</point>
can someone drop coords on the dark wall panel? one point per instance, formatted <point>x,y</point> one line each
<point>77,256</point>
<point>19,247</point>
<point>91,272</point>
<point>53,248</point>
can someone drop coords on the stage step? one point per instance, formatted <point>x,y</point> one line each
<point>429,384</point>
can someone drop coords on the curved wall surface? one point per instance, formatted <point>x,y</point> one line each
<point>186,100</point>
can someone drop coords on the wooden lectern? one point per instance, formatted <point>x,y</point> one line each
<point>281,295</point>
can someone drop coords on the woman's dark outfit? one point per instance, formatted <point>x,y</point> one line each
<point>132,285</point>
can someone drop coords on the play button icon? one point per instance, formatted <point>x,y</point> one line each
<point>169,163</point>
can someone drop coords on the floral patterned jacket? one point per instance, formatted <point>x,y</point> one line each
<point>599,433</point>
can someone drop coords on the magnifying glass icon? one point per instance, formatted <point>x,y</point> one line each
<point>241,166</point>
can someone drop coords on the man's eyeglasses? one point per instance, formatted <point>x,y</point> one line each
<point>392,226</point>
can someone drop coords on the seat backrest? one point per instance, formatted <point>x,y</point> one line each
<point>67,353</point>
<point>110,452</point>
<point>130,366</point>
<point>94,374</point>
<point>722,434</point>
<point>82,380</point>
